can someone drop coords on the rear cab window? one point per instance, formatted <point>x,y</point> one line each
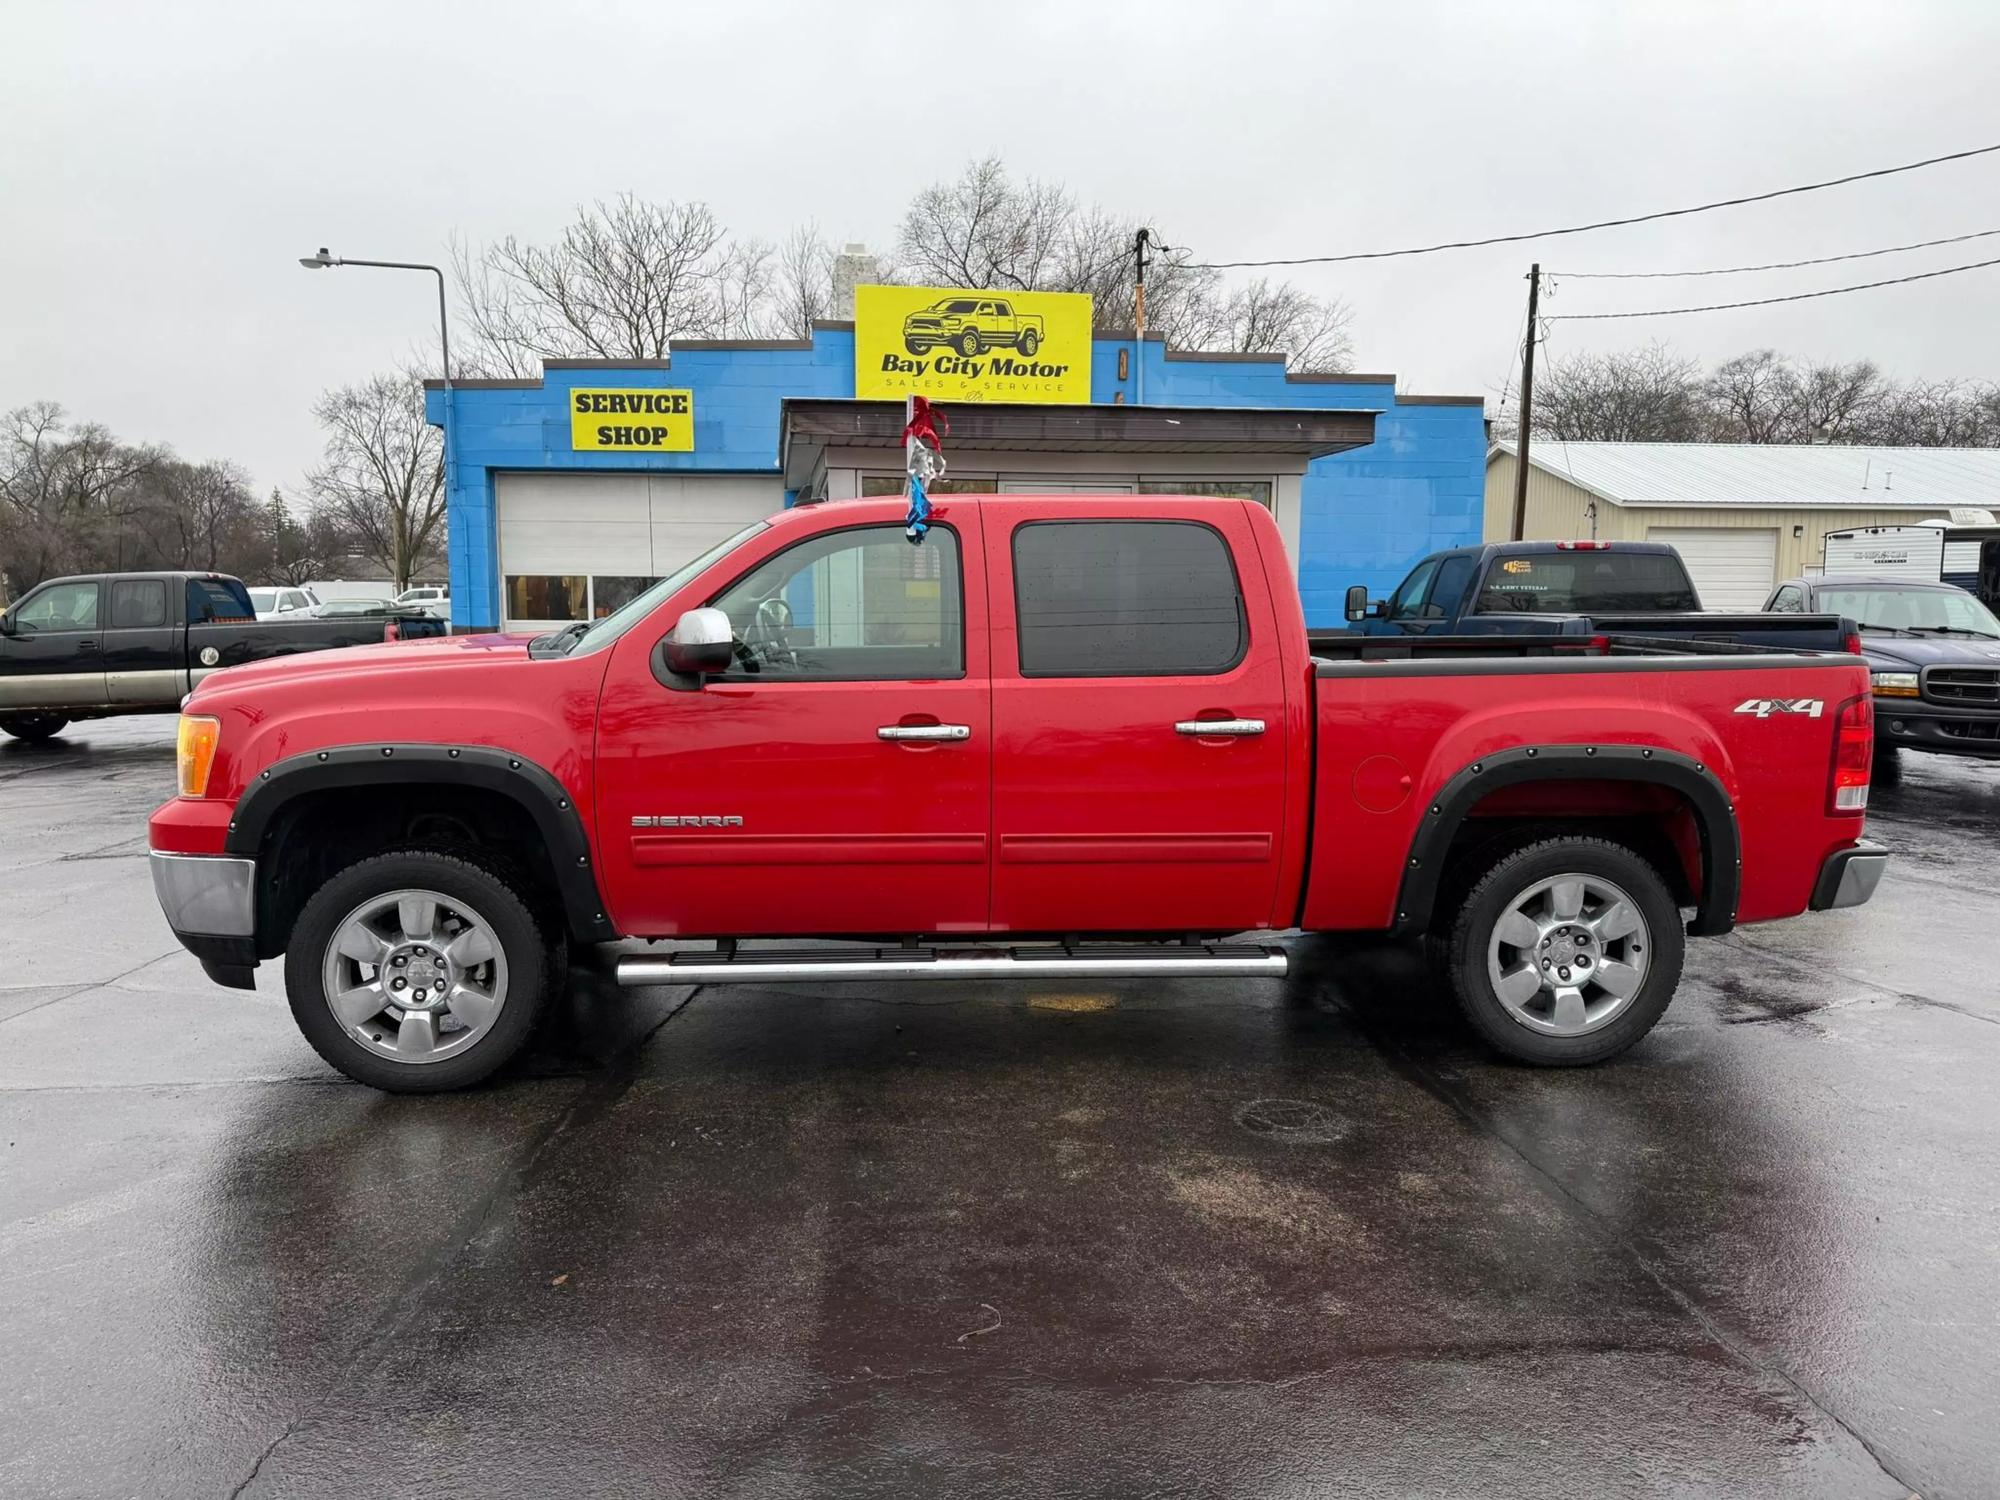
<point>1581,583</point>
<point>1126,598</point>
<point>217,600</point>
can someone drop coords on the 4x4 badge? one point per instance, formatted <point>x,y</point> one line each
<point>1763,708</point>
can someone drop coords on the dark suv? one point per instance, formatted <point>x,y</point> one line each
<point>1934,652</point>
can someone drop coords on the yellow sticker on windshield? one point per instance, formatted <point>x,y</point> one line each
<point>1517,565</point>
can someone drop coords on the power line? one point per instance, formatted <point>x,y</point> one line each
<point>1545,234</point>
<point>1777,265</point>
<point>1834,291</point>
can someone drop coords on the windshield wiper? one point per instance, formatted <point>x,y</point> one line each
<point>1951,630</point>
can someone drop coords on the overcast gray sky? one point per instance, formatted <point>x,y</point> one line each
<point>162,166</point>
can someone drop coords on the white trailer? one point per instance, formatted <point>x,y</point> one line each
<point>1915,553</point>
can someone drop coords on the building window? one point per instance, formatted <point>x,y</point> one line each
<point>1126,599</point>
<point>952,484</point>
<point>1227,489</point>
<point>608,594</point>
<point>547,596</point>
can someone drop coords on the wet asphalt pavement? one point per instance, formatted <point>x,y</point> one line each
<point>1255,1238</point>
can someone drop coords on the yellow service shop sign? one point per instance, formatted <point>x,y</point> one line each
<point>631,421</point>
<point>971,346</point>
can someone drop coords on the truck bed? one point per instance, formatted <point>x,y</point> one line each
<point>1728,741</point>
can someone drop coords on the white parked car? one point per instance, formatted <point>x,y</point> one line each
<point>272,603</point>
<point>431,599</point>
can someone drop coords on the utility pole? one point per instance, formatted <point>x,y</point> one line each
<point>1139,243</point>
<point>1527,406</point>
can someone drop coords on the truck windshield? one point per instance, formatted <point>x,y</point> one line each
<point>264,600</point>
<point>603,632</point>
<point>1952,611</point>
<point>1582,583</point>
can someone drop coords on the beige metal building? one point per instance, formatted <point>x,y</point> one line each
<point>1742,514</point>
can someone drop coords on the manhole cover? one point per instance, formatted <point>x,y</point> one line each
<point>1291,1120</point>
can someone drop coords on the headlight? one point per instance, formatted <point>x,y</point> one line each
<point>195,753</point>
<point>1895,684</point>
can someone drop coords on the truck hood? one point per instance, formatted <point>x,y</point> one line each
<point>1893,651</point>
<point>351,661</point>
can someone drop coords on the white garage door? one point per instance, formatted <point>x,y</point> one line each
<point>576,546</point>
<point>1733,567</point>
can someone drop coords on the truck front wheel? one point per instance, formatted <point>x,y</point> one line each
<point>418,971</point>
<point>1565,952</point>
<point>968,343</point>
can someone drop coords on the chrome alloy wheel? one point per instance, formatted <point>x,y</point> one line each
<point>415,976</point>
<point>1568,954</point>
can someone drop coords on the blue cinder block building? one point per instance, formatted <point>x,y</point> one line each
<point>570,493</point>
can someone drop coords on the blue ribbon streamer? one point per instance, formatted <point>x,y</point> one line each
<point>917,522</point>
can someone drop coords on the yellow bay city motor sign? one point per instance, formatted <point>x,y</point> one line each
<point>971,346</point>
<point>631,421</point>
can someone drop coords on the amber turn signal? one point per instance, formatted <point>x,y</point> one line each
<point>196,753</point>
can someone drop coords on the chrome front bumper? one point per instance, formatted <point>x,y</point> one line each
<point>207,895</point>
<point>1849,876</point>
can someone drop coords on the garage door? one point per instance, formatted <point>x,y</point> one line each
<point>576,546</point>
<point>1732,567</point>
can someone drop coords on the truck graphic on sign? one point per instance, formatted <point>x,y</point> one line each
<point>972,325</point>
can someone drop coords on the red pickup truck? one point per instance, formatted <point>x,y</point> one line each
<point>1061,736</point>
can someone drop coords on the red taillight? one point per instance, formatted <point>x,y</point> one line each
<point>1853,757</point>
<point>1583,546</point>
<point>1851,643</point>
<point>392,633</point>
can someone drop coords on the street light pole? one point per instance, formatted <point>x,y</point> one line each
<point>323,260</point>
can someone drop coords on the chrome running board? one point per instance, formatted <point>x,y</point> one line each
<point>1213,961</point>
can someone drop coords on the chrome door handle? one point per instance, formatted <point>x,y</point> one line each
<point>1235,727</point>
<point>924,732</point>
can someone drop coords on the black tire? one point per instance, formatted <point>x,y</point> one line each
<point>1489,895</point>
<point>1030,341</point>
<point>968,343</point>
<point>33,727</point>
<point>914,347</point>
<point>1888,767</point>
<point>533,956</point>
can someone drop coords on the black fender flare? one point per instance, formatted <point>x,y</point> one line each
<point>1715,819</point>
<point>537,792</point>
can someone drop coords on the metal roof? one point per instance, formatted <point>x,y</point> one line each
<point>1772,474</point>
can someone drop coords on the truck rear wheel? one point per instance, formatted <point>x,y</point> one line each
<point>418,971</point>
<point>1028,343</point>
<point>33,727</point>
<point>1565,952</point>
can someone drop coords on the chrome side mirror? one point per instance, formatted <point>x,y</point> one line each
<point>701,644</point>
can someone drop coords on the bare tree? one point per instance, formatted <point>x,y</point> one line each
<point>802,291</point>
<point>1836,402</point>
<point>200,516</point>
<point>984,229</point>
<point>57,483</point>
<point>300,551</point>
<point>1649,395</point>
<point>1755,398</point>
<point>622,282</point>
<point>382,480</point>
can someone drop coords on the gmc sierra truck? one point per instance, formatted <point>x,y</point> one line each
<point>1062,737</point>
<point>972,325</point>
<point>1573,588</point>
<point>104,644</point>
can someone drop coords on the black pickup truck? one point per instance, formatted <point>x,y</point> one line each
<point>98,645</point>
<point>1574,588</point>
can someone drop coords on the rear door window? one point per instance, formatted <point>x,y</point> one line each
<point>1126,599</point>
<point>138,603</point>
<point>1581,583</point>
